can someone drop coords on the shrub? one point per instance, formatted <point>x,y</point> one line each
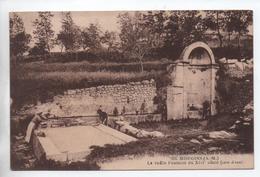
<point>233,52</point>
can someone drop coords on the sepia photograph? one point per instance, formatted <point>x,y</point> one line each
<point>131,90</point>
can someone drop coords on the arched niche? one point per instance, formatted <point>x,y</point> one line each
<point>198,53</point>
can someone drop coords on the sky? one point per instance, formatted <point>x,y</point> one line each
<point>106,21</point>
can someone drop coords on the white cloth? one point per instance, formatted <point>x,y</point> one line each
<point>29,131</point>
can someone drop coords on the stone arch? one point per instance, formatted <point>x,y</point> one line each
<point>193,79</point>
<point>188,50</point>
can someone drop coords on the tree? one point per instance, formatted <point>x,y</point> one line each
<point>214,20</point>
<point>37,50</point>
<point>70,35</point>
<point>155,21</point>
<point>137,39</point>
<point>238,21</point>
<point>172,27</point>
<point>19,39</point>
<point>109,38</point>
<point>192,27</point>
<point>127,33</point>
<point>43,33</point>
<point>91,39</point>
<point>182,28</point>
<point>58,42</point>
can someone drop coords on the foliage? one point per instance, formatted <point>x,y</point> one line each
<point>232,52</point>
<point>37,50</point>
<point>43,32</point>
<point>91,39</point>
<point>110,39</point>
<point>136,37</point>
<point>233,93</point>
<point>214,20</point>
<point>69,36</point>
<point>238,21</point>
<point>231,21</point>
<point>183,28</point>
<point>19,39</point>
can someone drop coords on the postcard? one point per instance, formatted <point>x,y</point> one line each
<point>131,90</point>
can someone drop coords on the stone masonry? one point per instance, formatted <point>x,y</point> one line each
<point>86,101</point>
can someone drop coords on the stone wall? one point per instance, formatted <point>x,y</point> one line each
<point>86,101</point>
<point>135,119</point>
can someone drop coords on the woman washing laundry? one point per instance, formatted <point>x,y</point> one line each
<point>36,120</point>
<point>103,117</point>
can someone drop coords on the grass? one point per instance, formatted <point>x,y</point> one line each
<point>38,81</point>
<point>91,67</point>
<point>64,74</point>
<point>75,78</point>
